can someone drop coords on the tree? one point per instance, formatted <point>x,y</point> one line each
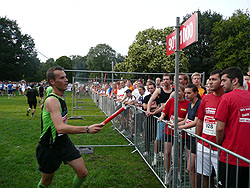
<point>79,63</point>
<point>66,63</point>
<point>231,41</point>
<point>200,53</point>
<point>44,67</point>
<point>18,57</point>
<point>100,58</point>
<point>148,54</point>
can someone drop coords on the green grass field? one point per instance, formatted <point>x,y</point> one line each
<point>109,167</point>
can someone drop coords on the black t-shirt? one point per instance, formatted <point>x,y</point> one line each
<point>164,96</point>
<point>32,94</point>
<point>156,101</point>
<point>41,89</point>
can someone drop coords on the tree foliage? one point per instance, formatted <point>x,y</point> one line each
<point>18,57</point>
<point>200,53</point>
<point>100,58</point>
<point>79,63</point>
<point>231,41</point>
<point>148,53</point>
<point>44,67</point>
<point>66,63</point>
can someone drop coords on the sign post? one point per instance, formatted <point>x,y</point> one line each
<point>177,55</point>
<point>183,36</point>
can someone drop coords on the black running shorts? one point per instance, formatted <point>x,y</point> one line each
<point>193,144</point>
<point>50,158</point>
<point>243,176</point>
<point>32,104</point>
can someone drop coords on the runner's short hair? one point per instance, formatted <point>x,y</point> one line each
<point>50,73</point>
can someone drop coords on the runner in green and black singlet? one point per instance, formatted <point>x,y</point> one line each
<point>55,146</point>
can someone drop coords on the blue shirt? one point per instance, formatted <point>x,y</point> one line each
<point>10,87</point>
<point>192,111</point>
<point>109,90</point>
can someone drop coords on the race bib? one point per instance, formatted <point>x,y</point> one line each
<point>192,129</point>
<point>209,125</point>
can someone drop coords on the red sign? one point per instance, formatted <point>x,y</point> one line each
<point>188,34</point>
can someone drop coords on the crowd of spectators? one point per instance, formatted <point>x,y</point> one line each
<point>211,111</point>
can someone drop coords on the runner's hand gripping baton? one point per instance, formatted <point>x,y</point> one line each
<point>113,115</point>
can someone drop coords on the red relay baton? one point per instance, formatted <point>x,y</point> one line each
<point>114,115</point>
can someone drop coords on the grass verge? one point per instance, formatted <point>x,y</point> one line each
<point>109,167</point>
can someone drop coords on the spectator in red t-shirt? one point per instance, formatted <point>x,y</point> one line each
<point>206,128</point>
<point>169,112</point>
<point>233,129</point>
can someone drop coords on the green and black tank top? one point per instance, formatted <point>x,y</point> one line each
<point>49,135</point>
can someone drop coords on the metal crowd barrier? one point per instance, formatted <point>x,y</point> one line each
<point>80,104</point>
<point>146,134</point>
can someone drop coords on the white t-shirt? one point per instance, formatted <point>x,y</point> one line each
<point>121,92</point>
<point>23,87</point>
<point>146,92</point>
<point>136,93</point>
<point>14,86</point>
<point>132,98</point>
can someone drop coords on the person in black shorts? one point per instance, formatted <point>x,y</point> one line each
<point>232,131</point>
<point>55,146</point>
<point>31,95</point>
<point>41,93</point>
<point>163,94</point>
<point>189,123</point>
<point>151,122</point>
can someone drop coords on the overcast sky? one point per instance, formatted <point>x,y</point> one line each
<point>72,27</point>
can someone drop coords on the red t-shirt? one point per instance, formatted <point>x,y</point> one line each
<point>169,111</point>
<point>234,110</point>
<point>248,84</point>
<point>206,113</point>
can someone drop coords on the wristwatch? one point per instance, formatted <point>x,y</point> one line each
<point>87,129</point>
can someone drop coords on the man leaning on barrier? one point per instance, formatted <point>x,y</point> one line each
<point>233,129</point>
<point>150,129</point>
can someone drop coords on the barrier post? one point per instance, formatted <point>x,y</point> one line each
<point>72,94</point>
<point>177,53</point>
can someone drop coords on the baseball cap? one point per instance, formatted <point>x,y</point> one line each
<point>128,91</point>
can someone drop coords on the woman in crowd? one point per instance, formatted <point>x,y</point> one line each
<point>169,112</point>
<point>192,95</point>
